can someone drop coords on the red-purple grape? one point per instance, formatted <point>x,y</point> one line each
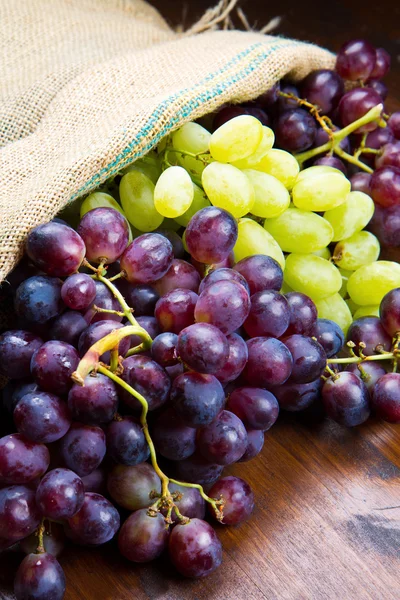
<point>147,378</point>
<point>38,299</point>
<point>380,88</point>
<point>346,399</point>
<point>21,460</point>
<point>39,577</point>
<point>255,443</point>
<point>95,402</point>
<point>16,350</point>
<point>356,60</point>
<point>194,548</point>
<point>52,366</point>
<point>355,104</point>
<point>295,130</point>
<point>331,161</point>
<point>256,407</point>
<point>369,372</point>
<point>197,398</point>
<point>389,312</point>
<point>237,359</point>
<point>323,88</point>
<point>172,438</point>
<point>55,248</point>
<point>238,499</point>
<point>68,327</point>
<point>105,232</point>
<point>270,362</point>
<point>147,258</point>
<point>60,494</point>
<point>224,304</point>
<point>382,64</point>
<point>175,310</point>
<point>223,274</point>
<point>269,314</point>
<point>176,241</point>
<point>394,124</point>
<point>163,349</point>
<point>131,486</point>
<point>295,397</point>
<point>303,313</point>
<point>390,154</point>
<point>142,537</point>
<point>369,331</point>
<point>386,398</point>
<point>385,224</point>
<point>95,523</point>
<point>104,299</point>
<point>211,234</point>
<point>19,515</point>
<point>181,274</point>
<point>360,182</point>
<point>224,440</point>
<point>203,348</point>
<point>42,417</point>
<point>309,358</point>
<point>83,448</point>
<point>78,291</point>
<point>285,104</point>
<point>126,442</point>
<point>261,273</point>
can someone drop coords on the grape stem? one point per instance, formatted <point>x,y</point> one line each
<point>325,122</point>
<point>362,358</point>
<point>40,533</point>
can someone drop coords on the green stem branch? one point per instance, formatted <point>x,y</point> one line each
<point>361,359</point>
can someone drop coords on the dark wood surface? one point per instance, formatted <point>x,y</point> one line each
<point>327,520</point>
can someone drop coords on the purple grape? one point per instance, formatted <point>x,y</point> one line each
<point>224,274</point>
<point>95,402</point>
<point>269,314</point>
<point>355,104</point>
<point>197,398</point>
<point>194,548</point>
<point>132,486</point>
<point>126,442</point>
<point>19,515</point>
<point>211,234</point>
<point>172,438</point>
<point>295,397</point>
<point>147,378</point>
<point>390,156</point>
<point>370,331</point>
<point>53,540</point>
<point>95,523</point>
<point>356,60</point>
<point>142,537</point>
<point>386,398</point>
<point>203,347</point>
<point>68,327</point>
<point>142,298</point>
<point>382,64</point>
<point>389,312</point>
<point>78,291</point>
<point>182,275</point>
<point>39,577</point>
<point>150,324</point>
<point>147,258</point>
<point>52,366</point>
<point>368,372</point>
<point>96,332</point>
<point>60,494</point>
<point>236,361</point>
<point>224,440</point>
<point>104,299</point>
<point>255,443</point>
<point>332,161</point>
<point>14,391</point>
<point>270,362</point>
<point>380,88</point>
<point>21,460</point>
<point>83,448</point>
<point>175,371</point>
<point>295,130</point>
<point>268,98</point>
<point>394,124</point>
<point>385,224</point>
<point>163,349</point>
<point>42,417</point>
<point>96,481</point>
<point>321,138</point>
<point>176,241</point>
<point>24,270</point>
<point>190,505</point>
<point>38,299</point>
<point>105,232</point>
<point>346,399</point>
<point>303,313</point>
<point>309,358</point>
<point>285,104</point>
<point>360,182</point>
<point>16,350</point>
<point>378,138</point>
<point>323,88</point>
<point>226,113</point>
<point>238,499</point>
<point>175,310</point>
<point>55,248</point>
<point>204,269</point>
<point>258,113</point>
<point>224,304</point>
<point>261,273</point>
<point>329,335</point>
<point>257,408</point>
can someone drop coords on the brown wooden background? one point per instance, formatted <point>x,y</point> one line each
<point>327,519</point>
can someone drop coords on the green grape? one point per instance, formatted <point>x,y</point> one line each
<point>323,253</point>
<point>360,249</point>
<point>199,201</point>
<point>371,282</point>
<point>271,196</point>
<point>281,165</point>
<point>253,239</point>
<point>345,278</point>
<point>236,139</point>
<point>170,224</point>
<point>99,200</point>
<point>285,289</point>
<point>335,308</point>
<point>136,191</point>
<point>266,144</point>
<point>299,231</point>
<point>317,170</point>
<point>351,216</point>
<point>353,307</point>
<point>312,275</point>
<point>184,242</point>
<point>229,188</point>
<point>191,138</point>
<point>163,144</point>
<point>174,192</point>
<point>149,165</point>
<point>321,192</point>
<point>367,311</point>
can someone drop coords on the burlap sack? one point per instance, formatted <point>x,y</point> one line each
<point>88,86</point>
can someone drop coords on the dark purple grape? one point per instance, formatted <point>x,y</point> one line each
<point>95,523</point>
<point>283,103</point>
<point>104,299</point>
<point>68,327</point>
<point>53,540</point>
<point>196,469</point>
<point>211,234</point>
<point>83,448</point>
<point>389,312</point>
<point>332,161</point>
<point>38,299</point>
<point>147,258</point>
<point>39,577</point>
<point>295,130</point>
<point>224,304</point>
<point>14,391</point>
<point>175,371</point>
<point>24,270</point>
<point>309,358</point>
<point>147,378</point>
<point>346,399</point>
<point>224,440</point>
<point>386,398</point>
<point>261,273</point>
<point>172,438</point>
<point>385,224</point>
<point>163,349</point>
<point>356,60</point>
<point>382,64</point>
<point>194,548</point>
<point>42,417</point>
<point>360,182</point>
<point>236,361</point>
<point>96,481</point>
<point>394,124</point>
<point>323,88</point>
<point>150,324</point>
<point>380,88</point>
<point>16,350</point>
<point>182,275</point>
<point>369,331</point>
<point>355,104</point>
<point>175,310</point>
<point>329,335</point>
<point>21,460</point>
<point>369,372</point>
<point>52,366</point>
<point>142,298</point>
<point>126,442</point>
<point>60,494</point>
<point>226,113</point>
<point>203,269</point>
<point>390,156</point>
<point>203,348</point>
<point>223,274</point>
<point>95,402</point>
<point>96,332</point>
<point>295,397</point>
<point>132,486</point>
<point>105,232</point>
<point>142,537</point>
<point>175,239</point>
<point>321,138</point>
<point>78,291</point>
<point>55,248</point>
<point>269,314</point>
<point>19,515</point>
<point>238,499</point>
<point>257,408</point>
<point>268,98</point>
<point>190,505</point>
<point>197,398</point>
<point>258,113</point>
<point>269,363</point>
<point>303,313</point>
<point>255,443</point>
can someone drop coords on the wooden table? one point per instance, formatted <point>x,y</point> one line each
<point>327,520</point>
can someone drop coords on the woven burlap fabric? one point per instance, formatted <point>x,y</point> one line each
<point>87,86</point>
